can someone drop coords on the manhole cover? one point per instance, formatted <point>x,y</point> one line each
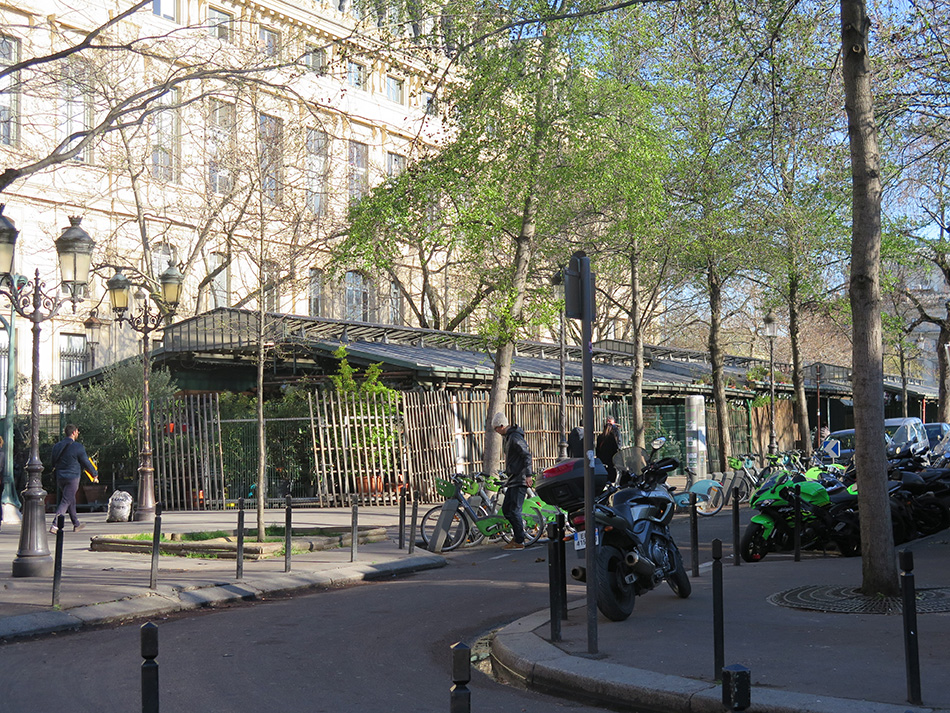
<point>849,600</point>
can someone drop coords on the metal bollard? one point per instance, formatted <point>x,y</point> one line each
<point>798,523</point>
<point>562,562</point>
<point>58,560</point>
<point>460,697</point>
<point>911,653</point>
<point>288,534</point>
<point>240,542</point>
<point>736,540</point>
<point>736,687</point>
<point>718,618</point>
<point>402,517</point>
<point>555,572</point>
<point>354,534</point>
<point>149,645</point>
<point>412,526</point>
<point>693,534</point>
<point>156,547</point>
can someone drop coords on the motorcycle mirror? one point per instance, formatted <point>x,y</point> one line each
<point>658,443</point>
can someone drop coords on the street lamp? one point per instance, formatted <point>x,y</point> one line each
<point>771,331</point>
<point>145,321</point>
<point>558,281</point>
<point>74,248</point>
<point>93,326</point>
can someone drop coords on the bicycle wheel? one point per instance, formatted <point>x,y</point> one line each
<point>712,502</point>
<point>456,535</point>
<point>741,490</point>
<point>534,524</point>
<point>475,536</point>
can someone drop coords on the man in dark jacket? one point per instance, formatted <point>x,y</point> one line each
<point>518,470</point>
<point>69,460</point>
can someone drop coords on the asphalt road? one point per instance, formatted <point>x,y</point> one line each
<point>383,646</point>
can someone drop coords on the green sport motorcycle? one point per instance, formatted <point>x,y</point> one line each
<point>824,521</point>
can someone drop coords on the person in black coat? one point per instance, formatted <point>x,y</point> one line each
<point>518,469</point>
<point>69,460</point>
<point>608,445</point>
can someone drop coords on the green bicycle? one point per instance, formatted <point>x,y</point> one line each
<point>476,517</point>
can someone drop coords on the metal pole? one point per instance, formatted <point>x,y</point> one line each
<point>145,509</point>
<point>590,527</point>
<point>911,653</point>
<point>240,541</point>
<point>156,546</point>
<point>402,517</point>
<point>562,563</point>
<point>412,525</point>
<point>562,443</point>
<point>693,535</point>
<point>718,619</point>
<point>554,584</point>
<point>736,541</point>
<point>58,560</point>
<point>354,534</point>
<point>288,534</point>
<point>773,446</point>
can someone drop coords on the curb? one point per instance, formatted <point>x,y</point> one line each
<point>522,656</point>
<point>169,599</point>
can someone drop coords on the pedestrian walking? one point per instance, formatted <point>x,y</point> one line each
<point>608,445</point>
<point>518,470</point>
<point>69,461</point>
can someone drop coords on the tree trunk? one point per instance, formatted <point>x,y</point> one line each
<point>718,375</point>
<point>943,372</point>
<point>798,370</point>
<point>877,541</point>
<point>636,396</point>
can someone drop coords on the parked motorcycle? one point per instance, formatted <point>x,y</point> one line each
<point>635,550</point>
<point>825,519</point>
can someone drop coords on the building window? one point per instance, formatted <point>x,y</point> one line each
<point>315,59</point>
<point>429,104</point>
<point>315,293</point>
<point>270,41</point>
<point>220,24</point>
<point>269,137</point>
<point>219,273</point>
<point>356,75</point>
<point>359,170</point>
<point>165,8</point>
<point>72,355</point>
<point>270,287</point>
<point>394,89</point>
<point>163,257</point>
<point>166,138</point>
<point>395,164</point>
<point>357,295</point>
<point>9,97</point>
<point>395,303</point>
<point>220,145</point>
<point>316,166</point>
<point>76,109</point>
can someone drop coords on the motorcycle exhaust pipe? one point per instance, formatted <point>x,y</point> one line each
<point>640,565</point>
<point>579,573</point>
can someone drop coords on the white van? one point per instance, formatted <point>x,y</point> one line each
<point>906,433</point>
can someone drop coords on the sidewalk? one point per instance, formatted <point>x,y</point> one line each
<point>110,587</point>
<point>801,660</point>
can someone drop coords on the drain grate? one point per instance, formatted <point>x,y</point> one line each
<point>849,600</point>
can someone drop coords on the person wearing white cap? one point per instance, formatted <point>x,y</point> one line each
<point>518,470</point>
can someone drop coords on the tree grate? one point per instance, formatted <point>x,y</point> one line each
<point>849,600</point>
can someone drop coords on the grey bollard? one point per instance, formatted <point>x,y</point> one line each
<point>156,548</point>
<point>736,687</point>
<point>149,645</point>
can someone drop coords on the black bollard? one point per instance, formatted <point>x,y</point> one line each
<point>240,542</point>
<point>156,547</point>
<point>736,540</point>
<point>798,523</point>
<point>149,644</point>
<point>718,623</point>
<point>412,526</point>
<point>736,687</point>
<point>693,534</point>
<point>555,572</point>
<point>288,534</point>
<point>402,517</point>
<point>911,653</point>
<point>58,559</point>
<point>460,697</point>
<point>354,534</point>
<point>562,563</point>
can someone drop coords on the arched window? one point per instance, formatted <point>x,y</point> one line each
<point>357,297</point>
<point>315,292</point>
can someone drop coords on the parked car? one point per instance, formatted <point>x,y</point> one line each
<point>906,433</point>
<point>846,440</point>
<point>936,432</point>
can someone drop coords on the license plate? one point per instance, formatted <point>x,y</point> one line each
<point>580,539</point>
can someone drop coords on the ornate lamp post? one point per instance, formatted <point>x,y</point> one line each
<point>74,248</point>
<point>771,331</point>
<point>93,327</point>
<point>145,321</point>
